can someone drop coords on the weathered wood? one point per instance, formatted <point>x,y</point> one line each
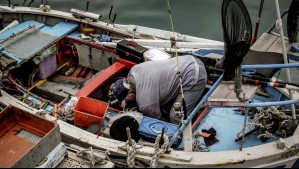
<point>277,46</point>
<point>58,89</point>
<point>264,42</point>
<point>224,95</point>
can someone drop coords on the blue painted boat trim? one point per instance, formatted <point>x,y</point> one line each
<point>279,103</point>
<point>61,29</point>
<point>19,61</point>
<point>270,66</point>
<point>205,52</point>
<point>19,28</point>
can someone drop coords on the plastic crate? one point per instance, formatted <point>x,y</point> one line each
<point>88,111</point>
<point>150,128</point>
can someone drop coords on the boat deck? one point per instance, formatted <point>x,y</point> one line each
<point>227,123</point>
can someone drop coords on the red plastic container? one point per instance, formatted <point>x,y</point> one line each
<point>88,111</point>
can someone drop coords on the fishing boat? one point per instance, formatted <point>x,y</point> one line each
<point>60,66</point>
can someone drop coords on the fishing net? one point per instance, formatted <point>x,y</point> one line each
<point>292,23</point>
<point>237,31</point>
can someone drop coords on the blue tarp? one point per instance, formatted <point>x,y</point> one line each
<point>24,41</point>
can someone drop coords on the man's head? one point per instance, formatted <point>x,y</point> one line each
<point>124,92</point>
<point>120,89</point>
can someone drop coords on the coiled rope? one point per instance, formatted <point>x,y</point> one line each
<point>131,153</point>
<point>158,150</point>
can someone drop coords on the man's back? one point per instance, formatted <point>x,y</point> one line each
<point>157,82</point>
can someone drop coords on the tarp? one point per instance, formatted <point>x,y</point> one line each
<point>30,38</point>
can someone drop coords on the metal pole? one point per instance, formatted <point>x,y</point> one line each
<point>257,25</point>
<point>270,66</point>
<point>267,104</point>
<point>285,57</point>
<point>129,136</point>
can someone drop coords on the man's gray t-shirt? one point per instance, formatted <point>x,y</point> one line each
<point>157,82</point>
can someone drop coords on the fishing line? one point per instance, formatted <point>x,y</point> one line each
<point>177,57</point>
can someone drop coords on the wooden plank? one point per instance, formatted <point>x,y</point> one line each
<point>58,89</point>
<point>264,42</point>
<point>277,46</point>
<point>225,95</point>
<point>248,90</point>
<point>222,91</point>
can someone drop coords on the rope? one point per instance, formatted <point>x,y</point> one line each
<point>131,153</point>
<point>243,131</point>
<point>176,51</point>
<point>266,135</point>
<point>93,159</point>
<point>198,146</point>
<point>158,150</point>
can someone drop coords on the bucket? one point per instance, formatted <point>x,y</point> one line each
<point>88,111</point>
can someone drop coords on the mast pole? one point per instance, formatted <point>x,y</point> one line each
<point>285,57</point>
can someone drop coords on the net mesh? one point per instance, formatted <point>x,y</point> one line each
<point>292,22</point>
<point>237,29</point>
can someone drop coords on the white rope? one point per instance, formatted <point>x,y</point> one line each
<point>266,135</point>
<point>243,131</point>
<point>158,150</point>
<point>93,159</point>
<point>131,153</point>
<point>200,147</point>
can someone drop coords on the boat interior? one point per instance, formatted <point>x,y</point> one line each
<point>46,62</point>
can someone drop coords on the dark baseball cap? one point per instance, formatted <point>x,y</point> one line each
<point>120,89</point>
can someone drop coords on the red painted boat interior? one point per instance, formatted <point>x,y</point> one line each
<point>101,79</point>
<point>12,121</point>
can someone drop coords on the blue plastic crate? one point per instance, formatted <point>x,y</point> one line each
<point>150,128</point>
